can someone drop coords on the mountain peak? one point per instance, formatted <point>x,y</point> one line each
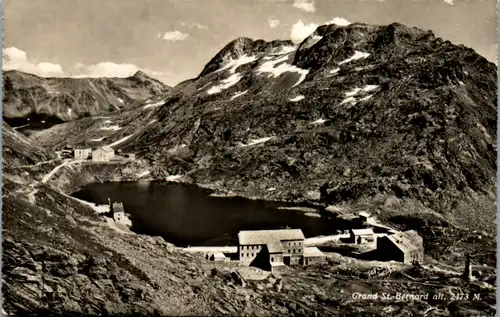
<point>141,74</point>
<point>242,46</point>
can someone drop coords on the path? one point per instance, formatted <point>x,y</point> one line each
<point>31,195</point>
<point>39,163</point>
<point>54,170</point>
<point>67,162</point>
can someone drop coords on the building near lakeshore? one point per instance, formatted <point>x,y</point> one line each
<point>103,154</point>
<point>118,212</point>
<point>406,247</point>
<point>273,249</point>
<point>359,236</point>
<point>82,153</point>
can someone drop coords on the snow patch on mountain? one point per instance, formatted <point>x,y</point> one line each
<point>111,128</point>
<point>368,88</point>
<point>366,98</point>
<point>319,121</point>
<point>224,84</point>
<point>233,64</point>
<point>239,93</point>
<point>97,140</point>
<point>334,71</point>
<point>121,140</point>
<point>348,99</point>
<point>257,141</point>
<point>311,41</point>
<point>356,90</point>
<point>298,98</point>
<point>353,92</point>
<point>357,55</point>
<point>276,71</point>
<point>153,105</point>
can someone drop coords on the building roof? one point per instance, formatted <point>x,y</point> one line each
<point>406,241</point>
<point>267,236</point>
<point>361,232</point>
<point>275,246</point>
<point>312,251</point>
<point>105,149</point>
<point>118,207</point>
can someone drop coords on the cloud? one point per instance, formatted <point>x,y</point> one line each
<point>14,58</point>
<point>110,69</point>
<point>193,25</point>
<point>450,2</point>
<point>173,36</point>
<point>305,5</point>
<point>273,23</point>
<point>107,69</point>
<point>300,31</point>
<point>338,21</point>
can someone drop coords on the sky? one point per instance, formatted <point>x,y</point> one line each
<point>172,40</point>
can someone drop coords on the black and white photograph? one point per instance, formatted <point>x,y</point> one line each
<point>249,158</point>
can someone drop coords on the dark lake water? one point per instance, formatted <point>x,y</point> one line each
<point>188,215</point>
<point>33,123</point>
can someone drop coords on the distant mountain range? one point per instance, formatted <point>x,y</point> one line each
<point>37,102</point>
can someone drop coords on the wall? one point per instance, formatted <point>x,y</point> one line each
<point>293,247</point>
<point>248,253</point>
<point>313,259</point>
<point>387,251</point>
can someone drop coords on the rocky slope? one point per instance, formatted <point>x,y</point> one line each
<point>387,119</point>
<point>29,99</point>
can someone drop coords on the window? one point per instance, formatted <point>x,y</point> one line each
<point>272,259</point>
<point>252,254</point>
<point>293,250</point>
<point>299,250</point>
<point>289,251</point>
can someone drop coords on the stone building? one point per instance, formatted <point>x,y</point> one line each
<point>359,236</point>
<point>272,249</point>
<point>103,154</point>
<point>83,153</point>
<point>406,247</point>
<point>313,255</point>
<point>118,212</point>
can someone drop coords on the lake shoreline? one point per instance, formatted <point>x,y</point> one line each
<point>186,214</point>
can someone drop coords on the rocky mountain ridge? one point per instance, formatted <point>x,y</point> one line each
<point>28,97</point>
